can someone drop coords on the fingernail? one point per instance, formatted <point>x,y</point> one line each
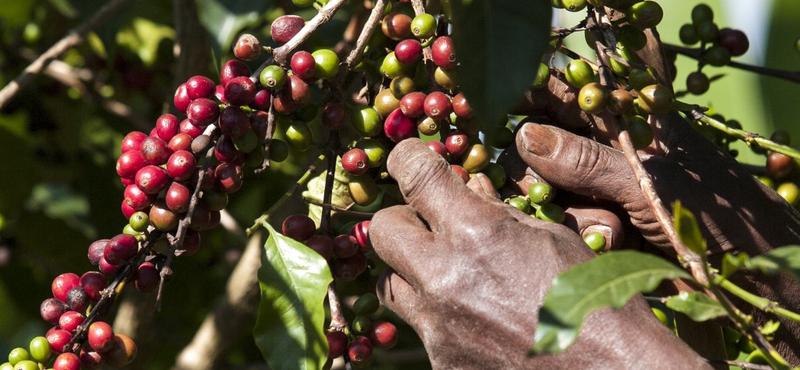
<point>539,140</point>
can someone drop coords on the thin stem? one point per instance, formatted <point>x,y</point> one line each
<point>330,177</point>
<point>761,303</point>
<point>338,322</point>
<point>73,38</point>
<point>281,54</point>
<point>793,76</point>
<point>366,33</point>
<point>264,218</point>
<point>268,139</point>
<point>696,113</point>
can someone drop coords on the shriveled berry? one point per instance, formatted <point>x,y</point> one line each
<point>285,27</point>
<point>247,47</point>
<point>78,299</point>
<point>51,310</point>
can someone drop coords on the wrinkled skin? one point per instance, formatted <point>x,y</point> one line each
<point>471,274</point>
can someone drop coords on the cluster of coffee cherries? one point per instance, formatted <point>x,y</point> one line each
<point>366,334</point>
<point>782,171</point>
<point>717,45</point>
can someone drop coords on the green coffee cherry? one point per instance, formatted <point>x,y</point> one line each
<point>362,324</point>
<point>596,241</point>
<point>540,193</point>
<point>39,349</point>
<point>18,354</point>
<point>550,212</point>
<point>376,153</point>
<point>542,76</point>
<point>496,174</point>
<point>639,130</point>
<point>688,35</point>
<point>579,73</point>
<point>327,63</point>
<point>366,121</point>
<point>366,305</point>
<point>423,26</point>
<point>298,136</point>
<point>139,221</point>
<point>519,203</point>
<point>272,77</point>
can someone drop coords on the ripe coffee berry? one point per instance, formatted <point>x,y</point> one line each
<point>70,320</point>
<point>355,162</point>
<point>383,335</point>
<point>200,87</point>
<point>123,351</point>
<point>437,147</point>
<point>457,144</point>
<point>345,246</point>
<point>735,41</point>
<point>180,141</point>
<point>162,217</point>
<point>228,177</point>
<point>181,98</point>
<point>106,267</point>
<point>96,249</point>
<point>322,245</point>
<point>413,104</point>
<point>58,338</point>
<point>247,47</point>
<point>299,227</point>
<point>285,27</point>
<point>408,51</point>
<point>360,351</point>
<point>437,105</point>
<point>147,277</point>
<point>233,121</point>
<point>91,360</point>
<point>444,53</point>
<point>181,165</point>
<point>240,91</point>
<point>132,141</point>
<point>62,285</point>
<point>93,283</point>
<point>203,112</point>
<point>129,163</point>
<point>303,65</point>
<point>231,69</point>
<point>262,99</point>
<point>67,361</point>
<point>178,197</point>
<point>399,127</point>
<point>100,336</point>
<point>152,179</point>
<point>333,115</point>
<point>361,232</point>
<point>187,127</point>
<point>155,151</point>
<point>337,343</point>
<point>461,107</point>
<point>120,249</point>
<point>51,310</point>
<point>137,199</point>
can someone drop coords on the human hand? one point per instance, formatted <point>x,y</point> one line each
<point>734,210</point>
<point>471,274</point>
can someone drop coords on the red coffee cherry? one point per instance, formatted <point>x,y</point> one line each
<point>96,249</point>
<point>181,165</point>
<point>355,162</point>
<point>120,249</point>
<point>437,147</point>
<point>181,98</point>
<point>58,338</point>
<point>100,336</point>
<point>233,121</point>
<point>203,112</point>
<point>63,283</point>
<point>398,126</point>
<point>383,335</point>
<point>107,268</point>
<point>444,53</point>
<point>361,232</point>
<point>93,283</point>
<point>345,246</point>
<point>147,277</point>
<point>457,144</point>
<point>191,242</point>
<point>396,26</point>
<point>413,104</point>
<point>437,105</point>
<point>408,51</point>
<point>187,127</point>
<point>200,87</point>
<point>337,343</point>
<point>240,91</point>
<point>180,141</point>
<point>152,179</point>
<point>360,351</point>
<point>178,197</point>
<point>285,27</point>
<point>322,245</point>
<point>303,65</point>
<point>155,151</point>
<point>333,115</point>
<point>90,360</point>
<point>132,141</point>
<point>137,199</point>
<point>225,150</point>
<point>247,47</point>
<point>299,227</point>
<point>231,69</point>
<point>262,99</point>
<point>734,40</point>
<point>129,163</point>
<point>461,107</point>
<point>70,321</point>
<point>67,361</point>
<point>461,172</point>
<point>163,218</point>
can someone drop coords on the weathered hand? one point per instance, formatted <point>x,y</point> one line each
<point>471,274</point>
<point>735,211</point>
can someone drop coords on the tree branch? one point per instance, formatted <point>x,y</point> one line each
<point>73,38</point>
<point>694,53</point>
<point>281,54</point>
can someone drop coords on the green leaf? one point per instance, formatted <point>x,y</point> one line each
<point>143,38</point>
<point>499,45</point>
<point>698,306</point>
<point>731,263</point>
<point>294,281</point>
<point>770,327</point>
<point>608,280</point>
<point>688,231</point>
<point>784,259</point>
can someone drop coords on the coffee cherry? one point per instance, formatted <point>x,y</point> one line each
<point>18,354</point>
<point>272,77</point>
<point>542,76</point>
<point>366,121</point>
<point>496,174</point>
<point>619,101</point>
<point>717,56</point>
<point>540,193</point>
<point>550,212</point>
<point>333,115</point>
<point>180,141</point>
<point>178,197</point>
<point>298,136</point>
<point>181,165</point>
<point>303,65</point>
<point>423,26</point>
<point>688,35</point>
<point>63,283</point>
<point>408,51</point>
<point>437,105</point>
<point>392,68</point>
<point>398,126</point>
<point>58,339</point>
<point>132,141</point>
<point>396,26</point>
<point>327,63</point>
<point>345,246</point>
<point>639,130</point>
<point>428,126</point>
<point>129,163</point>
<point>579,73</point>
<point>231,69</point>
<point>779,165</point>
<point>152,179</point>
<point>122,352</point>
<point>401,86</point>
<point>39,349</point>
<point>202,112</point>
<point>376,153</point>
<point>147,277</point>
<point>90,360</point>
<point>121,248</point>
<point>137,199</point>
<point>363,190</point>
<point>360,351</point>
<point>247,47</point>
<point>163,218</point>
<point>278,150</point>
<point>707,31</point>
<point>337,343</point>
<point>697,83</point>
<point>361,232</point>
<point>461,172</point>
<point>645,14</point>
<point>355,162</point>
<point>225,151</point>
<point>476,158</point>
<point>443,52</point>
<point>96,249</point>
<point>240,91</point>
<point>383,335</point>
<point>93,283</point>
<point>322,245</point>
<point>639,78</point>
<point>229,177</point>
<point>413,104</point>
<point>181,98</point>
<point>655,99</point>
<point>519,203</point>
<point>592,98</point>
<point>187,127</point>
<point>385,103</point>
<point>100,336</point>
<point>735,41</point>
<point>361,325</point>
<point>446,78</point>
<point>702,13</point>
<point>70,321</point>
<point>107,268</point>
<point>298,227</point>
<point>285,27</point>
<point>78,299</point>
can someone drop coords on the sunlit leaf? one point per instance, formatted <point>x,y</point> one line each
<point>688,231</point>
<point>697,306</point>
<point>784,259</point>
<point>608,280</point>
<point>225,19</point>
<point>731,263</point>
<point>294,281</point>
<point>499,45</point>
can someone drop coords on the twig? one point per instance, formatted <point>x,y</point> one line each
<point>264,218</point>
<point>73,38</point>
<point>330,177</point>
<point>338,322</point>
<point>793,76</point>
<point>363,38</point>
<point>268,139</point>
<point>176,241</point>
<point>696,112</point>
<point>761,303</point>
<point>337,209</point>
<point>281,54</point>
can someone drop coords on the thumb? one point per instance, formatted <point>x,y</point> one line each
<point>579,165</point>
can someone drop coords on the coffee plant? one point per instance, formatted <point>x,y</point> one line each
<point>311,117</point>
